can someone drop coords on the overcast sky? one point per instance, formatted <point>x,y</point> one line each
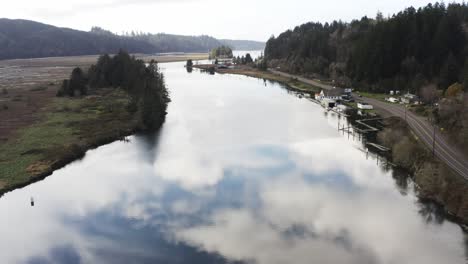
<point>241,19</point>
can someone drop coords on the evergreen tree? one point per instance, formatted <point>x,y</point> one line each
<point>465,75</point>
<point>449,72</point>
<point>404,51</point>
<point>77,82</point>
<point>144,84</point>
<point>248,58</point>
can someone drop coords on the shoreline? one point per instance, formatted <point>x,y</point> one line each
<point>425,188</point>
<point>86,60</point>
<point>66,160</point>
<point>66,130</point>
<point>433,180</point>
<point>32,116</point>
<point>29,155</point>
<point>40,167</point>
<point>292,83</point>
<point>127,125</point>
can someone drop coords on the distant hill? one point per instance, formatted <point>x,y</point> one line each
<point>177,43</point>
<point>244,44</point>
<point>29,39</point>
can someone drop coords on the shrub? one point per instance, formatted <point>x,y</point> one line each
<point>454,90</point>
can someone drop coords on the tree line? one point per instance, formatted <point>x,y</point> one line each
<point>143,82</point>
<point>247,59</point>
<point>407,51</point>
<point>221,52</point>
<point>30,39</point>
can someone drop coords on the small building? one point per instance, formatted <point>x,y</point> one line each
<point>329,98</point>
<point>392,92</point>
<point>328,103</point>
<point>333,94</point>
<point>364,106</point>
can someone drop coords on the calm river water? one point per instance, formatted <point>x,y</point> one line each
<point>243,171</point>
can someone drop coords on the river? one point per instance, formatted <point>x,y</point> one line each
<point>242,171</point>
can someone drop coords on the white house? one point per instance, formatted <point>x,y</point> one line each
<point>329,98</point>
<point>364,106</point>
<point>334,94</point>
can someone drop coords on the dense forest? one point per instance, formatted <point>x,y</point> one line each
<point>144,84</point>
<point>29,39</point>
<point>405,51</point>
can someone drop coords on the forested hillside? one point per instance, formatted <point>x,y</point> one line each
<point>244,44</point>
<point>177,43</point>
<point>29,39</point>
<point>405,51</point>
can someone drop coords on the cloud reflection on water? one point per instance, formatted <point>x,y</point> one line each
<point>225,183</point>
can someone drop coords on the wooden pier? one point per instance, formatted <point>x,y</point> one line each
<point>379,147</point>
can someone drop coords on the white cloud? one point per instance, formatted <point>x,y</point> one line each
<point>335,227</point>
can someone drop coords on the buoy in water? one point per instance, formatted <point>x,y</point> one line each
<point>32,201</point>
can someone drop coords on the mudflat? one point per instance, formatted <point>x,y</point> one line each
<point>28,85</point>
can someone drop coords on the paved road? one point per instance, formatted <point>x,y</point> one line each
<point>304,80</point>
<point>446,152</point>
<point>425,131</point>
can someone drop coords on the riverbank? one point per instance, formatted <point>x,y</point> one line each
<point>28,85</point>
<point>66,129</point>
<point>292,83</point>
<point>40,132</point>
<point>434,180</point>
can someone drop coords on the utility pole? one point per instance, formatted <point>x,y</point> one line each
<point>406,108</point>
<point>434,134</point>
<point>434,140</point>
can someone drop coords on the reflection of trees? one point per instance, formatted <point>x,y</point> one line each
<point>465,238</point>
<point>401,180</point>
<point>150,142</point>
<point>431,212</point>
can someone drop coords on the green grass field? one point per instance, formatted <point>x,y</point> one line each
<point>378,96</point>
<point>67,128</point>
